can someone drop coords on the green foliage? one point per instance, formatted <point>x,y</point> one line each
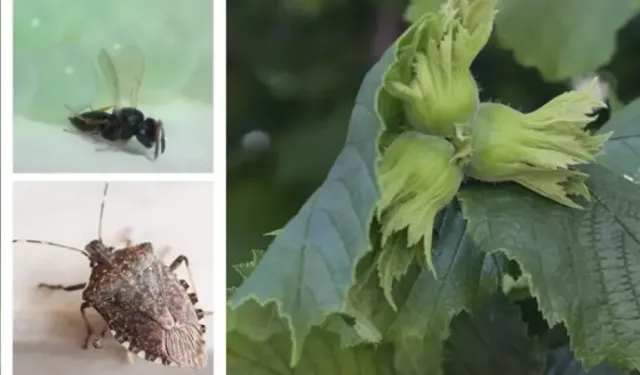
<point>307,268</point>
<point>417,8</point>
<point>622,152</point>
<point>321,355</point>
<point>583,264</point>
<point>466,279</point>
<point>562,362</point>
<point>558,37</point>
<point>329,297</point>
<point>561,38</point>
<point>510,351</point>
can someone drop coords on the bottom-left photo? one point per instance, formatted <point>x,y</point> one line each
<point>112,276</point>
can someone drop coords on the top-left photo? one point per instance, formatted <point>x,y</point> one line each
<point>113,86</point>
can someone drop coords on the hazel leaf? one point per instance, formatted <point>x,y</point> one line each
<point>562,38</point>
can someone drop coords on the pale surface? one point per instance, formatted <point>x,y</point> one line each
<point>45,148</point>
<point>48,327</point>
<point>29,359</point>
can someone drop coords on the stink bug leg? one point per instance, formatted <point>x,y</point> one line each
<point>177,262</point>
<point>192,296</point>
<point>97,342</point>
<point>83,307</point>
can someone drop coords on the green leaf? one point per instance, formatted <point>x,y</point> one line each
<point>466,279</point>
<point>321,355</point>
<point>308,267</point>
<point>562,362</point>
<point>492,341</point>
<point>562,38</point>
<point>622,151</point>
<point>584,265</point>
<point>393,264</point>
<point>245,269</point>
<point>256,321</point>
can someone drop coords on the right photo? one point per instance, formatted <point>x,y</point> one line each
<point>440,187</point>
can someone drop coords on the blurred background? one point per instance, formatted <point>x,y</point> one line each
<point>294,68</point>
<point>56,47</point>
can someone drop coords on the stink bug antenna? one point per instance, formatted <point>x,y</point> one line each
<point>54,244</point>
<point>104,197</point>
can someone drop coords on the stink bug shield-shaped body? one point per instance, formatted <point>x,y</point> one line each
<point>144,304</point>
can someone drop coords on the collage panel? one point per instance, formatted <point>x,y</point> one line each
<point>113,87</point>
<point>131,262</point>
<point>107,188</point>
<point>433,187</point>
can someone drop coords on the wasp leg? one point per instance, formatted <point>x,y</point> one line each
<point>83,307</point>
<point>91,134</point>
<point>107,148</point>
<point>72,131</point>
<point>66,288</point>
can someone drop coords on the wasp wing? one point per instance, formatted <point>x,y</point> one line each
<point>108,70</point>
<point>123,69</point>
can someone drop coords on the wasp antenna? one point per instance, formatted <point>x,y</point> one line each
<point>104,198</point>
<point>53,244</point>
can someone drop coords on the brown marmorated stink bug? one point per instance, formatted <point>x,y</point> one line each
<point>145,306</point>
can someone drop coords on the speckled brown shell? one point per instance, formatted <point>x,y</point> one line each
<point>147,308</point>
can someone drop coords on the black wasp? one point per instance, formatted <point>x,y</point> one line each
<point>122,122</point>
